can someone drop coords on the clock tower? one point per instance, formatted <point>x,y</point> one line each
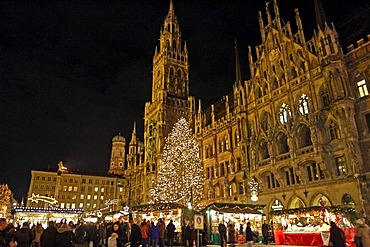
<point>170,92</point>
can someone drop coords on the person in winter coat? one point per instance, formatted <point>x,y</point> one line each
<point>49,235</point>
<point>249,234</point>
<point>363,232</point>
<point>187,234</point>
<point>337,236</point>
<point>265,232</point>
<point>65,236</point>
<point>170,233</point>
<point>112,240</point>
<point>222,231</point>
<point>135,236</point>
<point>115,228</point>
<point>94,234</point>
<point>37,235</point>
<point>154,234</point>
<point>162,229</point>
<point>7,236</point>
<point>232,235</point>
<point>145,234</point>
<point>24,236</point>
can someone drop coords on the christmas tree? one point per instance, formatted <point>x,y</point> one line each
<point>180,176</point>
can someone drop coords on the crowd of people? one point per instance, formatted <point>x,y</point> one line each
<point>144,233</point>
<point>230,235</point>
<point>114,234</point>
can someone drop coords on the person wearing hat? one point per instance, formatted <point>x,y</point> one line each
<point>363,232</point>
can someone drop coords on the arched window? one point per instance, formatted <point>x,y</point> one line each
<point>282,142</point>
<point>264,150</point>
<point>272,182</point>
<point>347,200</point>
<point>304,136</point>
<point>284,113</point>
<point>331,46</point>
<point>325,97</point>
<point>333,130</point>
<point>303,104</point>
<point>314,172</point>
<point>265,121</point>
<point>179,73</point>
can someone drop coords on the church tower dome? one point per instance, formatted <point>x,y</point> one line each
<point>117,159</point>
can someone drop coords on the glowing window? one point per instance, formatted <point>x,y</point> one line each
<point>341,166</point>
<point>303,104</point>
<point>284,113</point>
<point>362,88</point>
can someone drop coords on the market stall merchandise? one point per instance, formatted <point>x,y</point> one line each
<point>236,214</point>
<point>310,226</point>
<point>165,211</point>
<point>44,215</point>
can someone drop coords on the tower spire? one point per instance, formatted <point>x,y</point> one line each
<point>171,12</point>
<point>238,73</point>
<point>133,136</point>
<point>320,13</point>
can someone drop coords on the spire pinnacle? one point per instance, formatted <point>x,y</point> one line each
<point>199,106</point>
<point>238,74</point>
<point>133,136</point>
<point>320,13</point>
<point>171,12</point>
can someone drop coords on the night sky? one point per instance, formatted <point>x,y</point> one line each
<point>73,74</point>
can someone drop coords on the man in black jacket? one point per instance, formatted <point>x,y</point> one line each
<point>135,236</point>
<point>170,233</point>
<point>222,231</point>
<point>48,236</point>
<point>7,239</point>
<point>265,232</point>
<point>24,235</point>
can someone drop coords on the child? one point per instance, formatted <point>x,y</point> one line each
<point>112,240</point>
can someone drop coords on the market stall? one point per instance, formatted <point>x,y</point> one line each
<point>236,214</point>
<point>166,211</point>
<point>310,226</point>
<point>44,215</point>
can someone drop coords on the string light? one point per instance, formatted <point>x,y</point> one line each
<point>180,176</point>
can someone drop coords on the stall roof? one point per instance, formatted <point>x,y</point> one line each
<point>236,208</point>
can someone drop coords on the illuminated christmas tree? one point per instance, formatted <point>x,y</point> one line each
<point>180,176</point>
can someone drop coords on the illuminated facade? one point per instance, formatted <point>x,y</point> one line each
<point>75,190</point>
<point>299,127</point>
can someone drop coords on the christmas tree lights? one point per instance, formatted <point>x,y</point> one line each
<point>180,175</point>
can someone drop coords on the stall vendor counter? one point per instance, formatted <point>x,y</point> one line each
<point>283,237</point>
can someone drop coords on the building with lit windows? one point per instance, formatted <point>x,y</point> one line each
<point>296,133</point>
<point>75,190</point>
<point>299,127</point>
